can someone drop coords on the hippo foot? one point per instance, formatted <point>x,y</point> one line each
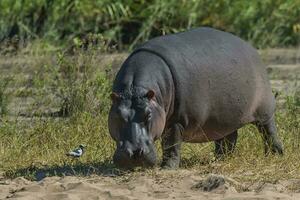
<point>275,148</point>
<point>170,164</point>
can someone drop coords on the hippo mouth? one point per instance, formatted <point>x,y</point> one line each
<point>126,161</point>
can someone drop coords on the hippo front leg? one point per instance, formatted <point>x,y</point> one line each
<point>171,143</point>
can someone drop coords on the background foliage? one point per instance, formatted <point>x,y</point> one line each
<point>265,23</point>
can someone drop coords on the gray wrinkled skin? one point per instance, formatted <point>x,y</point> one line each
<point>196,86</point>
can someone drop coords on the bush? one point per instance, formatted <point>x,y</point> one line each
<point>80,89</point>
<point>127,23</point>
<point>72,84</point>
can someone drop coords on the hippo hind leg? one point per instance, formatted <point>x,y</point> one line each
<point>271,140</point>
<point>226,145</point>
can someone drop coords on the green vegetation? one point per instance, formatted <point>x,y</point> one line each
<point>126,23</point>
<point>69,105</point>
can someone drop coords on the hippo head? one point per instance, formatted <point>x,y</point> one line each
<point>135,122</point>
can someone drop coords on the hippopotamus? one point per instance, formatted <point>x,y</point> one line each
<point>195,86</point>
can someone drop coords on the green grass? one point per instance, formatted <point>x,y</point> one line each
<point>44,144</point>
<point>28,149</point>
<point>70,105</point>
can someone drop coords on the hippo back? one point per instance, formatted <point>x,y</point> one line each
<point>220,81</point>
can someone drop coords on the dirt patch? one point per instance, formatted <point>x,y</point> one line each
<point>179,184</point>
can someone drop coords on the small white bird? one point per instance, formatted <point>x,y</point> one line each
<point>76,153</point>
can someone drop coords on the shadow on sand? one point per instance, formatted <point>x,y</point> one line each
<point>105,168</point>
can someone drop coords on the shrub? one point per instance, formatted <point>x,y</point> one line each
<point>127,23</point>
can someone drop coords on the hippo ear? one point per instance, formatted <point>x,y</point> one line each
<point>150,94</point>
<point>114,96</point>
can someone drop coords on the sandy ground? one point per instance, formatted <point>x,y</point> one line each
<point>179,184</point>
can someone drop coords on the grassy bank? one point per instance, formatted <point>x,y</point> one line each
<point>55,102</point>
